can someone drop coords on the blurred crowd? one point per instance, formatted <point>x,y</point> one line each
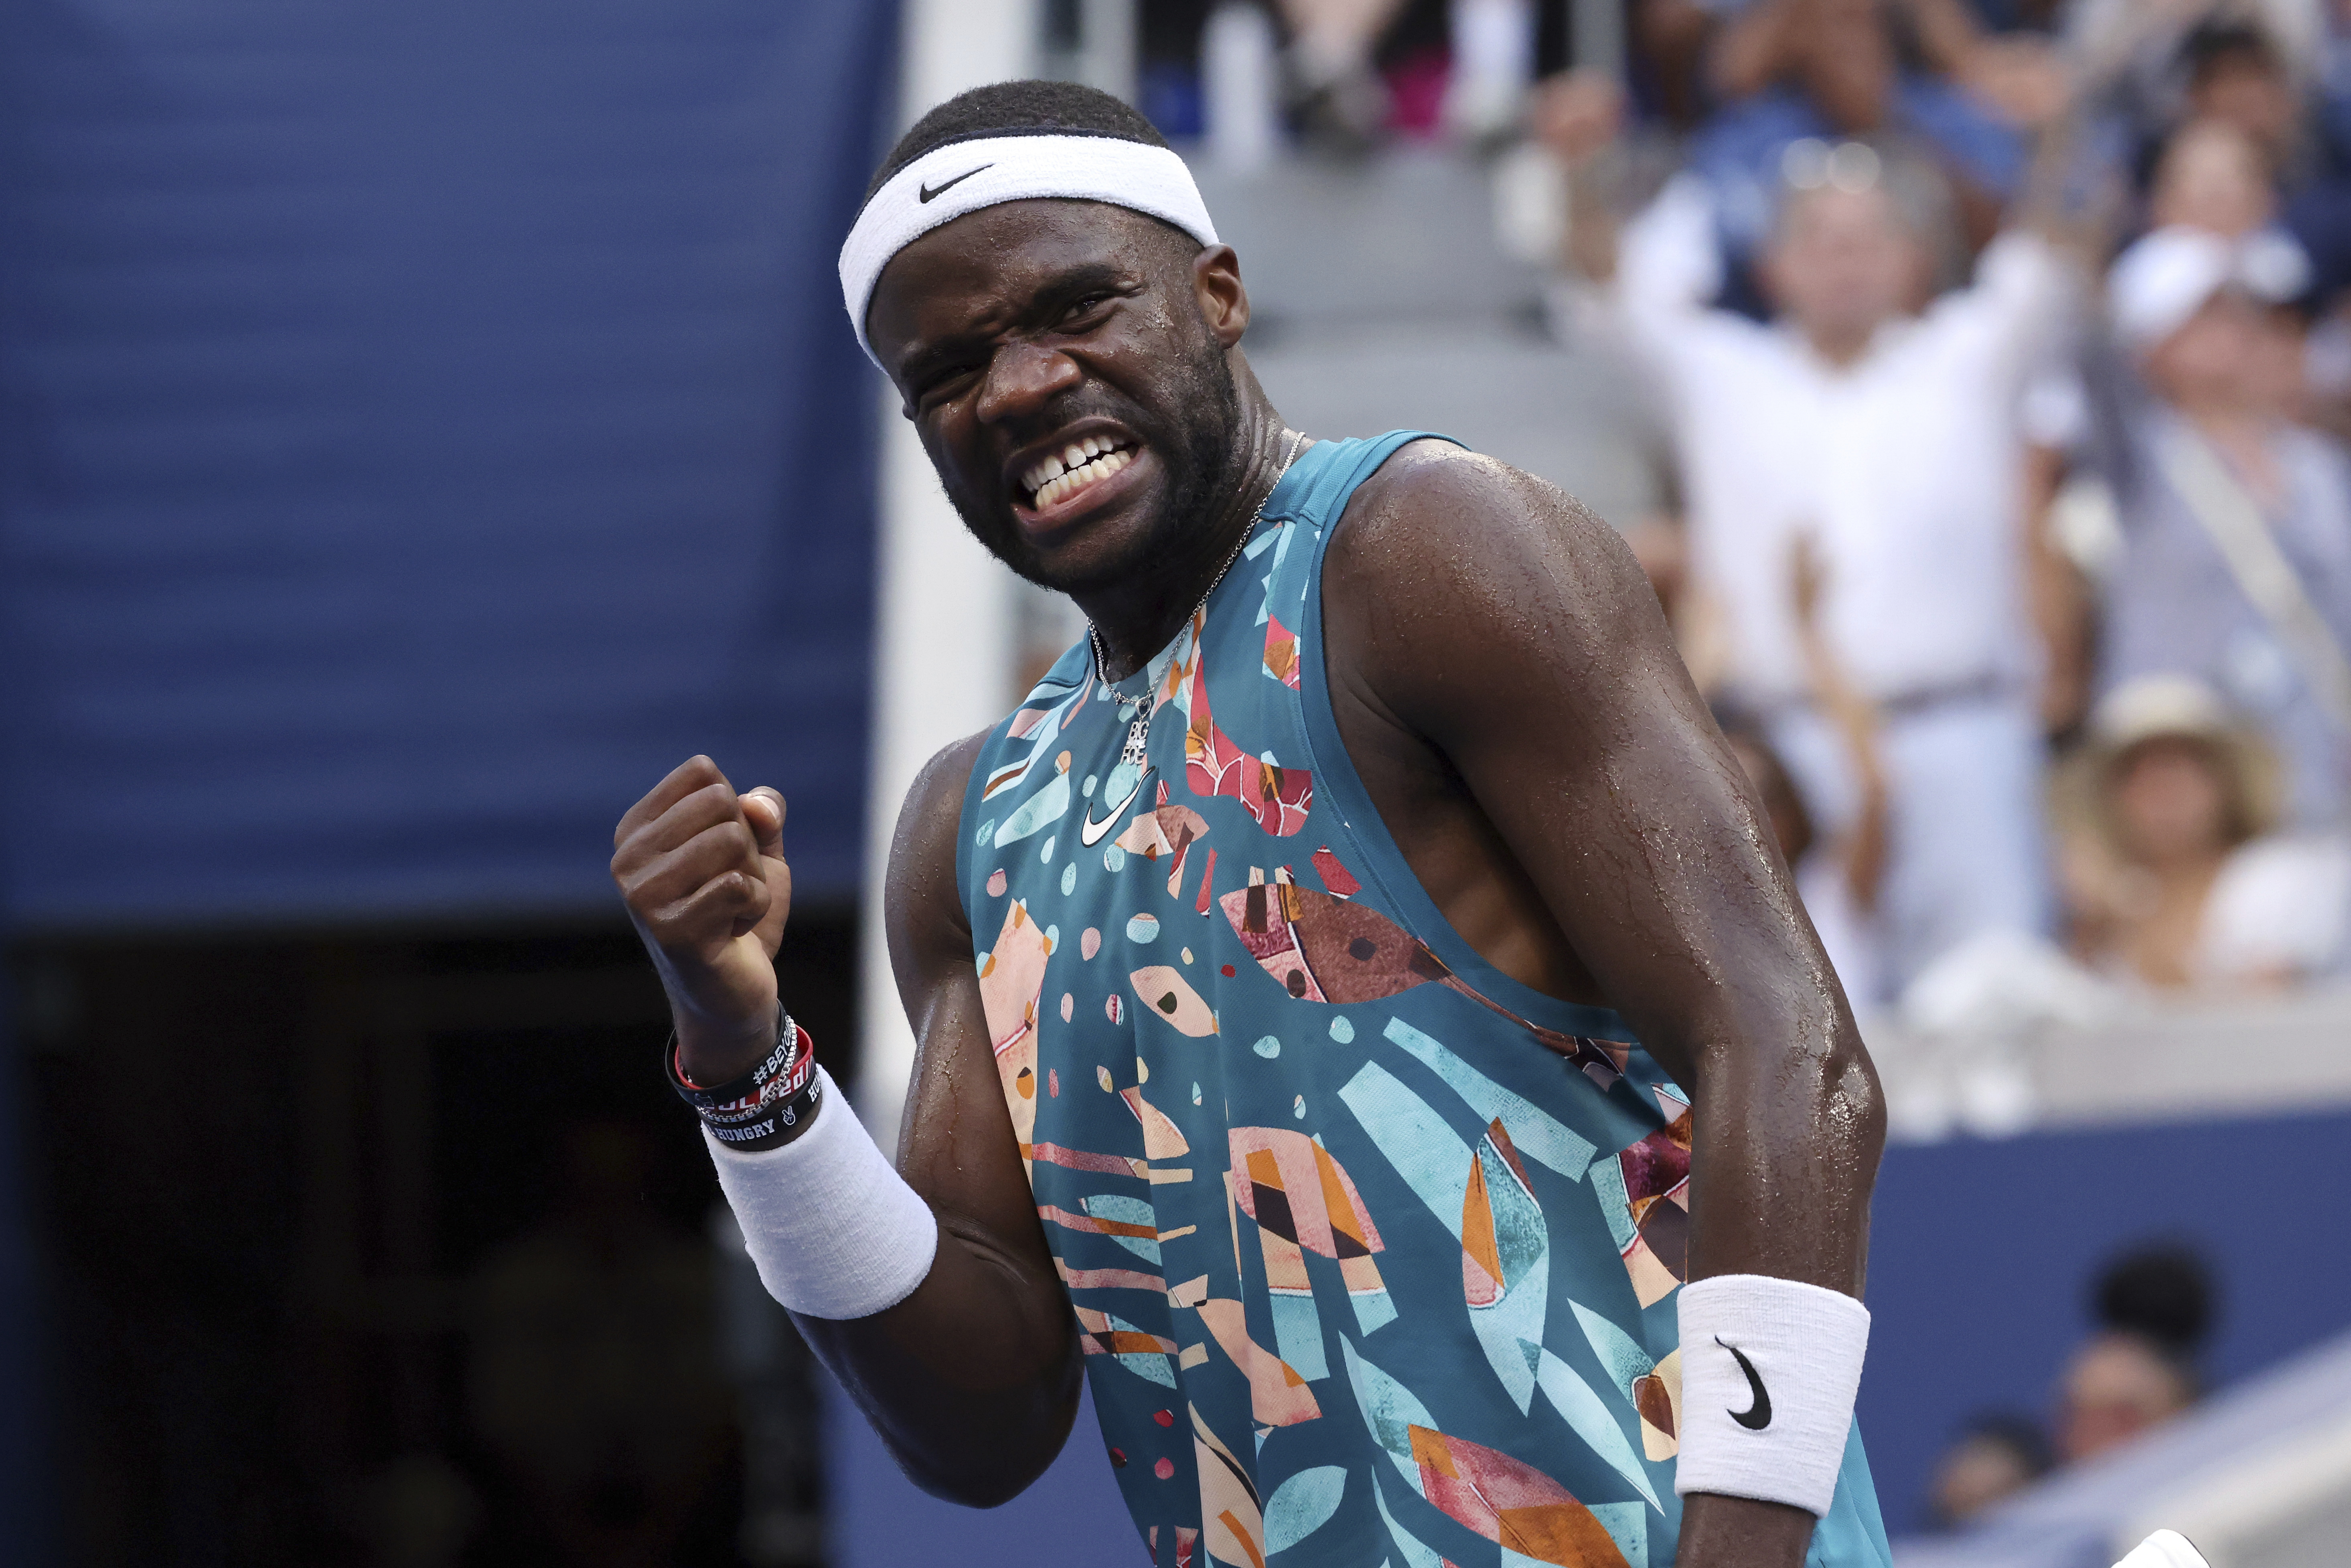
<point>2152,1311</point>
<point>2002,354</point>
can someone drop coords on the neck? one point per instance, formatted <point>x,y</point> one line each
<point>1141,614</point>
<point>1841,346</point>
<point>2187,873</point>
<point>2223,418</point>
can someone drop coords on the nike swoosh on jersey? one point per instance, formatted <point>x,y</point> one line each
<point>1090,833</point>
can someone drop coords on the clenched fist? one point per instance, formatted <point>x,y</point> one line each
<point>702,871</point>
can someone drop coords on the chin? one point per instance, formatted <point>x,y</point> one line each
<point>1090,553</point>
<point>1119,549</point>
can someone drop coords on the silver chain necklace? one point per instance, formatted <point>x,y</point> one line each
<point>1138,732</point>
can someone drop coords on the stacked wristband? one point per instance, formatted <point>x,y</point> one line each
<point>766,1107</point>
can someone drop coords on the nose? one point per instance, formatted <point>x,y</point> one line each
<point>1021,379</point>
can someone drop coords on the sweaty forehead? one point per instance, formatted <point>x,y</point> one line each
<point>1000,259</point>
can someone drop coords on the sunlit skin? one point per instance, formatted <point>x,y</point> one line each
<point>1836,53</point>
<point>2208,363</point>
<point>1840,266</point>
<point>2279,367</point>
<point>2221,369</point>
<point>2213,177</point>
<point>2255,94</point>
<point>2176,820</point>
<point>1505,685</point>
<point>2172,805</point>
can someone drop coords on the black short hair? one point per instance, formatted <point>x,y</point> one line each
<point>1017,108</point>
<point>2214,44</point>
<point>2163,1292</point>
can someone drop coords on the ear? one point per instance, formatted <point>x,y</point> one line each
<point>1223,297</point>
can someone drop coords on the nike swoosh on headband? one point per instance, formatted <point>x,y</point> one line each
<point>1758,1416</point>
<point>1090,833</point>
<point>929,192</point>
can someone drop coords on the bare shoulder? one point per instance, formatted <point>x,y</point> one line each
<point>922,902</point>
<point>1432,474</point>
<point>938,789</point>
<point>1439,534</point>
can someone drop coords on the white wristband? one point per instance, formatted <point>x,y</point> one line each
<point>1770,1369</point>
<point>835,1231</point>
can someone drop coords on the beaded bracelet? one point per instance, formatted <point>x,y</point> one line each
<point>766,1107</point>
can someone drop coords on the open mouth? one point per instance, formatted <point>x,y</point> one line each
<point>1084,462</point>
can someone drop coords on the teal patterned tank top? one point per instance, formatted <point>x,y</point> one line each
<point>1372,1250</point>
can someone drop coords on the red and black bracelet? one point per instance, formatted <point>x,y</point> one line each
<point>766,1107</point>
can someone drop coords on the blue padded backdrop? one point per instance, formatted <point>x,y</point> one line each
<point>423,424</point>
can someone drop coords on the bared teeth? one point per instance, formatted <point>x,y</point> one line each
<point>1059,487</point>
<point>1072,457</point>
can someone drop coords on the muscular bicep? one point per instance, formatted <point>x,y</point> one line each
<point>956,1144</point>
<point>1529,652</point>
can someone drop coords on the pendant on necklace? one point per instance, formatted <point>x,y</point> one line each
<point>1138,742</point>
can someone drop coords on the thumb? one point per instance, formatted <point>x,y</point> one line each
<point>763,808</point>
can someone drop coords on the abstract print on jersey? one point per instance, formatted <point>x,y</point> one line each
<point>1373,1250</point>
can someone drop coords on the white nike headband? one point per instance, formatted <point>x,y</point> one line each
<point>961,177</point>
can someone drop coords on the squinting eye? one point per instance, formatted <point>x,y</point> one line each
<point>947,385</point>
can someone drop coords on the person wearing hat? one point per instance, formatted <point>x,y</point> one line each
<point>2235,565</point>
<point>2173,873</point>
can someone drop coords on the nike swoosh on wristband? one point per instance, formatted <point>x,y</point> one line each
<point>1090,833</point>
<point>925,193</point>
<point>1758,1416</point>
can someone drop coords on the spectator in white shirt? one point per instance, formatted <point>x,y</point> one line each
<point>1878,422</point>
<point>1839,878</point>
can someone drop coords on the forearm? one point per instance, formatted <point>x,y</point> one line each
<point>931,1294</point>
<point>1786,1138</point>
<point>1750,51</point>
<point>1784,1154</point>
<point>1637,824</point>
<point>1854,715</point>
<point>1592,227</point>
<point>1740,1532</point>
<point>949,1327</point>
<point>972,1378</point>
<point>972,1381</point>
<point>1946,33</point>
<point>1855,720</point>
